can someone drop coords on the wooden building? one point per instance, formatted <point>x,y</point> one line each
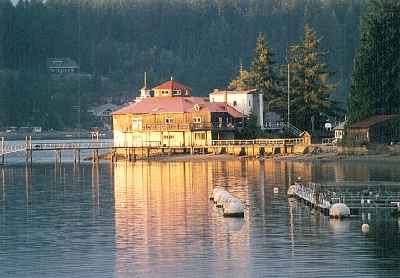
<point>172,118</point>
<point>382,129</point>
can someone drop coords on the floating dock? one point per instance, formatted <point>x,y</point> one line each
<point>326,198</point>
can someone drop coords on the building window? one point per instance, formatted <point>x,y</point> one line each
<point>196,119</point>
<point>136,123</point>
<point>176,93</point>
<point>169,120</point>
<point>164,92</point>
<point>234,103</point>
<point>199,136</point>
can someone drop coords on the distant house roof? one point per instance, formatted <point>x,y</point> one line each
<point>61,63</point>
<point>177,105</point>
<point>219,92</point>
<point>366,123</point>
<point>171,85</point>
<point>105,108</point>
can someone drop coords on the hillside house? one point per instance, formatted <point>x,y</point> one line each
<point>173,118</point>
<point>62,66</point>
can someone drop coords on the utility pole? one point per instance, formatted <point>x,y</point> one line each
<point>288,94</point>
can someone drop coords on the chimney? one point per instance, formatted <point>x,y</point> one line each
<point>261,108</point>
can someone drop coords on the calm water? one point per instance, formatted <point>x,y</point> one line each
<point>155,220</point>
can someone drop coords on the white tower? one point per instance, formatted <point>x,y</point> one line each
<point>144,92</point>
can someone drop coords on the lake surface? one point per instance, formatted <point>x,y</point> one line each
<point>154,219</point>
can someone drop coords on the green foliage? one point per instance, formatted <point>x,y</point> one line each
<point>198,42</point>
<point>264,71</point>
<point>242,82</point>
<point>310,82</point>
<point>251,129</point>
<point>376,77</point>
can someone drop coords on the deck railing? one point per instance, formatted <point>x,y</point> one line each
<point>288,141</point>
<point>9,149</point>
<point>69,146</point>
<point>187,126</point>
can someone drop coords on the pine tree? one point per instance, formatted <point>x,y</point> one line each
<point>310,82</point>
<point>376,74</point>
<point>264,72</point>
<point>242,82</point>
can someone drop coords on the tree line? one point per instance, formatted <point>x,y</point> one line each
<point>375,88</point>
<point>305,84</point>
<point>200,43</point>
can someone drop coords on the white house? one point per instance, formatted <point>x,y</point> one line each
<point>339,131</point>
<point>244,101</point>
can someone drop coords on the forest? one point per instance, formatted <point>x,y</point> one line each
<point>200,42</point>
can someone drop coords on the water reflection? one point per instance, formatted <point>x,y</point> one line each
<point>155,220</point>
<point>163,214</point>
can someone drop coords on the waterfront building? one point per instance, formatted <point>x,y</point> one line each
<point>244,101</point>
<point>62,65</point>
<point>173,118</point>
<point>382,129</point>
<point>339,131</point>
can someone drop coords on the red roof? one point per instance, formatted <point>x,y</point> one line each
<point>172,85</point>
<point>158,105</point>
<point>373,121</point>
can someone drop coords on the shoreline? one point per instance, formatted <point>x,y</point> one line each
<point>334,157</point>
<point>306,158</point>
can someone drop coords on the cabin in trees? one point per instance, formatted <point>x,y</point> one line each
<point>382,129</point>
<point>62,66</point>
<point>173,118</point>
<point>245,101</point>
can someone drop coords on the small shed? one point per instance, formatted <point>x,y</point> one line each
<point>382,129</point>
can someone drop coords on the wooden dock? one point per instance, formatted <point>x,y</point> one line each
<point>311,195</point>
<point>322,197</point>
<point>147,149</point>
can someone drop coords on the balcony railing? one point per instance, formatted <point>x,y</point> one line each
<point>187,126</point>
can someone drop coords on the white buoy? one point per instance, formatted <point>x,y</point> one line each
<point>365,228</point>
<point>215,191</point>
<point>292,191</point>
<point>276,190</point>
<point>221,198</point>
<point>339,211</point>
<point>233,207</point>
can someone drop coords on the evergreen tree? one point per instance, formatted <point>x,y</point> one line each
<point>264,72</point>
<point>242,82</point>
<point>374,89</point>
<point>310,82</point>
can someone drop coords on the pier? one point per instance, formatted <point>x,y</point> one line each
<point>147,149</point>
<point>324,197</point>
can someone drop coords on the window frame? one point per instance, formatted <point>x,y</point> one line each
<point>169,120</point>
<point>139,124</point>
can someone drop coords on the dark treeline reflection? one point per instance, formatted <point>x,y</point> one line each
<point>201,43</point>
